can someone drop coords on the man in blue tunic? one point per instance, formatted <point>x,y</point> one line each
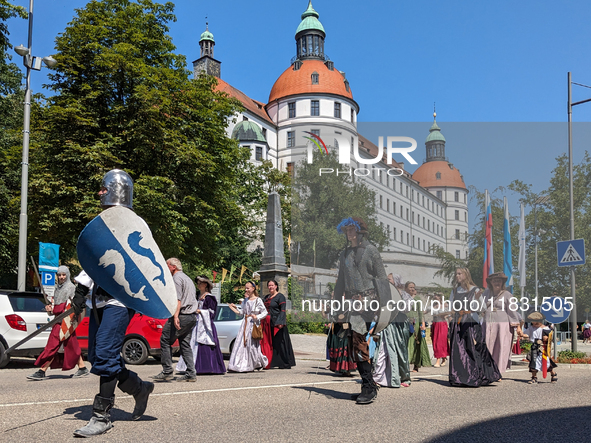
<point>107,327</point>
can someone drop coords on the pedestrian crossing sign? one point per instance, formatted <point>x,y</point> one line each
<point>571,252</point>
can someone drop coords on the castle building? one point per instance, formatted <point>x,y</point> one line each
<point>419,211</point>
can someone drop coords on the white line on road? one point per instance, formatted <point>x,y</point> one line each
<point>243,388</point>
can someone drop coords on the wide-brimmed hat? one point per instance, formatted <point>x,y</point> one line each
<point>535,317</point>
<point>203,278</point>
<point>502,275</point>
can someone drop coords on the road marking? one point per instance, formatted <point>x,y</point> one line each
<point>163,394</point>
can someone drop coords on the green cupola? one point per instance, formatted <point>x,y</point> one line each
<point>310,35</point>
<point>435,142</point>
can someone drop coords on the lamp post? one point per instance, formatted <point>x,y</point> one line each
<point>30,62</point>
<point>570,105</point>
<point>542,200</point>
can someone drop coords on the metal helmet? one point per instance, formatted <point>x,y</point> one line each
<point>119,186</point>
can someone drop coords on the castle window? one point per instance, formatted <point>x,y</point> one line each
<point>292,109</point>
<point>265,133</point>
<point>259,153</point>
<point>244,118</point>
<point>457,214</point>
<point>438,175</point>
<point>347,85</point>
<point>456,196</point>
<point>290,169</point>
<point>315,132</point>
<point>439,196</point>
<point>314,78</point>
<point>457,253</point>
<point>457,234</point>
<point>291,139</point>
<point>337,110</point>
<point>315,108</point>
<point>352,115</point>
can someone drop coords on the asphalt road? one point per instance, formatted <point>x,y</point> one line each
<point>306,403</point>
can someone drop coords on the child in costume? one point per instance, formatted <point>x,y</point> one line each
<point>540,359</point>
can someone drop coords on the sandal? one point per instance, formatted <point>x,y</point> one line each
<point>553,377</point>
<point>443,362</point>
<point>533,381</point>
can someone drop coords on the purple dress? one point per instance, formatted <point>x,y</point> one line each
<point>208,357</point>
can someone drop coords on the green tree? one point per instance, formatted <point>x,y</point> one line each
<point>319,203</point>
<point>124,99</point>
<point>11,122</point>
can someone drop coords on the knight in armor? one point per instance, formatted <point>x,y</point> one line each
<point>359,265</point>
<point>107,326</point>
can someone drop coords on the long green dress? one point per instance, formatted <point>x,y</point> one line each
<point>418,351</point>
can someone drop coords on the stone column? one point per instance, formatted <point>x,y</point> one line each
<point>273,265</point>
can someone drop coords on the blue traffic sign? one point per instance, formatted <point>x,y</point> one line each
<point>48,278</point>
<point>556,309</point>
<point>571,252</point>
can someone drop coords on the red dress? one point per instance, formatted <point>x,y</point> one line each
<point>267,341</point>
<point>69,358</point>
<point>439,330</point>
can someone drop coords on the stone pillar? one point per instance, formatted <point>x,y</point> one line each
<point>273,265</point>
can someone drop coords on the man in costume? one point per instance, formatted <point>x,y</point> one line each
<point>180,325</point>
<point>359,264</point>
<point>108,322</point>
<point>60,352</point>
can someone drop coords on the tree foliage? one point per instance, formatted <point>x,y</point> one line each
<point>11,122</point>
<point>124,99</point>
<point>319,203</point>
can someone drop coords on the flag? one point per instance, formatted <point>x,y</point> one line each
<point>521,263</point>
<point>244,268</point>
<point>49,254</point>
<point>224,272</point>
<point>289,241</point>
<point>488,265</point>
<point>215,274</point>
<point>231,273</point>
<point>507,257</point>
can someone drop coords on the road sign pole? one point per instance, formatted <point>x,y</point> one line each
<point>572,212</point>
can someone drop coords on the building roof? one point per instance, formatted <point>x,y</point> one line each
<point>255,107</point>
<point>372,150</point>
<point>293,82</point>
<point>248,131</point>
<point>449,175</point>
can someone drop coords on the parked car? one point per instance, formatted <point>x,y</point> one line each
<point>22,313</point>
<point>227,324</point>
<point>142,338</point>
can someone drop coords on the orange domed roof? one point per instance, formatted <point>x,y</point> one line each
<point>439,174</point>
<point>300,82</point>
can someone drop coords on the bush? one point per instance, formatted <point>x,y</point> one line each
<point>305,322</point>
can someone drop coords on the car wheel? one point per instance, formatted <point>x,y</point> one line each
<point>4,357</point>
<point>135,351</point>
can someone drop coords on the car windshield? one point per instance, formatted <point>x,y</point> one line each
<point>224,313</point>
<point>26,302</point>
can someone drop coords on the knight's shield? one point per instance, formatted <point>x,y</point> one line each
<point>388,297</point>
<point>117,250</point>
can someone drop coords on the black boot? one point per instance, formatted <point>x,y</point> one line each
<point>140,390</point>
<point>369,388</point>
<point>100,422</point>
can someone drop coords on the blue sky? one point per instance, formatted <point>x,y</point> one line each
<point>500,61</point>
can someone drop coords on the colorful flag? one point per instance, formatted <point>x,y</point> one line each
<point>224,272</point>
<point>521,263</point>
<point>507,257</point>
<point>289,241</point>
<point>215,274</point>
<point>488,265</point>
<point>244,268</point>
<point>231,273</point>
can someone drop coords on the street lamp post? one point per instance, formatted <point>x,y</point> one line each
<point>30,62</point>
<point>539,201</point>
<point>570,105</point>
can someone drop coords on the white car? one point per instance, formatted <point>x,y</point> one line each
<point>22,313</point>
<point>227,324</point>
